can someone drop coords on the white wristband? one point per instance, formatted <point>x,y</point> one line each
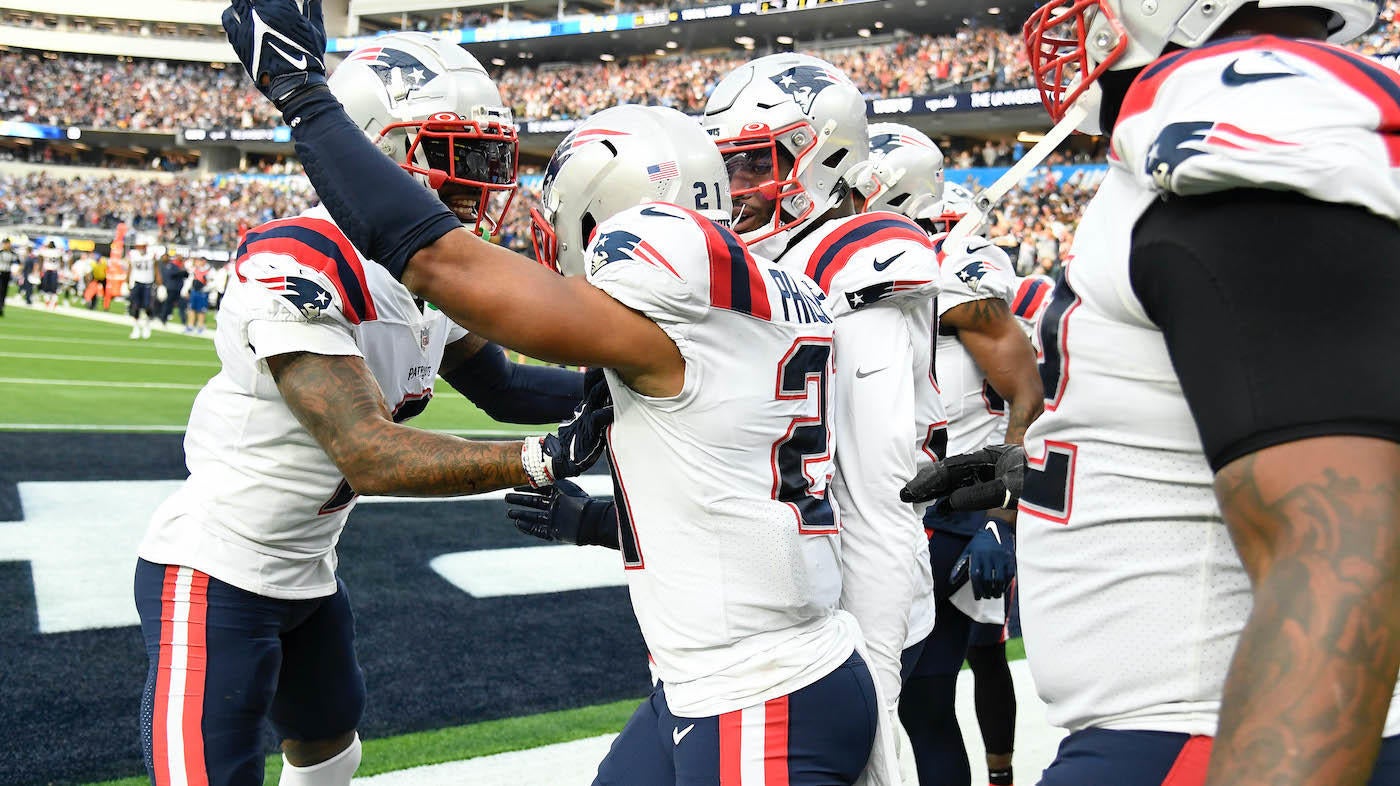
<point>536,466</point>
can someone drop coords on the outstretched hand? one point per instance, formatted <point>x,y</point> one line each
<point>281,44</point>
<point>563,513</point>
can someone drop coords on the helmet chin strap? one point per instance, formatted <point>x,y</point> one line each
<point>988,197</point>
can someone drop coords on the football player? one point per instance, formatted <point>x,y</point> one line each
<point>324,355</point>
<point>144,276</point>
<point>1209,511</point>
<point>791,127</point>
<point>753,517</point>
<point>716,361</point>
<point>991,391</point>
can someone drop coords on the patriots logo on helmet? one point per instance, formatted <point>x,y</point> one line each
<point>305,295</point>
<point>383,60</point>
<point>804,83</point>
<point>566,149</point>
<point>972,273</point>
<point>886,143</point>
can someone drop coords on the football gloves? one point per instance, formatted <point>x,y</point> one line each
<point>563,513</point>
<point>281,44</point>
<point>578,444</point>
<point>989,562</point>
<point>981,480</point>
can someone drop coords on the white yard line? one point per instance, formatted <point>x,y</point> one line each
<point>97,384</point>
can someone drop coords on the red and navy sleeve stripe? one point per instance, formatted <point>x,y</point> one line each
<point>1030,297</point>
<point>735,281</point>
<point>837,249</point>
<point>319,245</point>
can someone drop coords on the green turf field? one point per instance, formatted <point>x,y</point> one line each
<point>67,372</point>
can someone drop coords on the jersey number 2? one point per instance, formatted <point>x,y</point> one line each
<point>1049,484</point>
<point>807,440</point>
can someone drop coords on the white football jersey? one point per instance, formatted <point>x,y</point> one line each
<point>976,412</point>
<point>50,260</point>
<point>143,267</point>
<point>1120,539</point>
<point>727,534</point>
<point>880,274</point>
<point>264,505</point>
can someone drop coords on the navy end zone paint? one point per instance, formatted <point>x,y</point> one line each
<point>433,656</point>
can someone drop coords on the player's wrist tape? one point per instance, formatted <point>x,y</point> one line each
<point>535,462</point>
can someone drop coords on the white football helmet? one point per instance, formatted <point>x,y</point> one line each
<point>1071,43</point>
<point>904,173</point>
<point>619,158</point>
<point>803,107</point>
<point>429,105</point>
<point>957,202</point>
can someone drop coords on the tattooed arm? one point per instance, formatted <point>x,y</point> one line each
<point>337,399</point>
<point>1317,524</point>
<point>990,334</point>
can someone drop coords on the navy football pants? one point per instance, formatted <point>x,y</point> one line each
<point>820,735</point>
<point>223,659</point>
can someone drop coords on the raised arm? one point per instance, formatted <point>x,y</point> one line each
<point>393,220</point>
<point>507,391</point>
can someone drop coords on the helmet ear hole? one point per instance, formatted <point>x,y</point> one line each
<point>589,227</point>
<point>834,160</point>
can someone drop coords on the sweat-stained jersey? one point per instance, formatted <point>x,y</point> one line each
<point>264,505</point>
<point>1119,531</point>
<point>976,412</point>
<point>726,532</point>
<point>881,276</point>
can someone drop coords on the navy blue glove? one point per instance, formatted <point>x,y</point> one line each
<point>563,513</point>
<point>981,480</point>
<point>989,562</point>
<point>281,44</point>
<point>579,443</point>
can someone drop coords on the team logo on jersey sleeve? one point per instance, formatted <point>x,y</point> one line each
<point>804,83</point>
<point>305,295</point>
<point>972,274</point>
<point>1181,142</point>
<point>382,61</point>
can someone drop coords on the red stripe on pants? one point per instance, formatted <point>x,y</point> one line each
<point>1190,766</point>
<point>730,736</point>
<point>775,742</point>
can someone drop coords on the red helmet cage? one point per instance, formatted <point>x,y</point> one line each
<point>545,240</point>
<point>757,138</point>
<point>495,170</point>
<point>1056,36</point>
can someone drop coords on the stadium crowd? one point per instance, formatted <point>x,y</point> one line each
<point>207,212</point>
<point>165,96</point>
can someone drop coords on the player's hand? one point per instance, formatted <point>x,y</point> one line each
<point>161,294</point>
<point>982,480</point>
<point>563,513</point>
<point>578,444</point>
<point>989,562</point>
<point>281,44</point>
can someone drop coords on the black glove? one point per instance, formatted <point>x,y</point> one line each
<point>563,513</point>
<point>281,44</point>
<point>980,480</point>
<point>579,443</point>
<point>989,562</point>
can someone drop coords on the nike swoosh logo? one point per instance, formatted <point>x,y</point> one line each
<point>651,211</point>
<point>298,62</point>
<point>880,266</point>
<point>995,532</point>
<point>1233,77</point>
<point>677,734</point>
<point>863,374</point>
